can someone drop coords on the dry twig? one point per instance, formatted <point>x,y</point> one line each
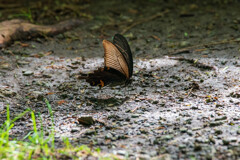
<point>19,29</point>
<point>187,49</point>
<point>144,20</point>
<point>196,63</point>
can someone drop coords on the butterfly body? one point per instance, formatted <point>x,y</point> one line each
<point>118,64</point>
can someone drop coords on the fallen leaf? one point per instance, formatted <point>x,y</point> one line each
<point>61,102</point>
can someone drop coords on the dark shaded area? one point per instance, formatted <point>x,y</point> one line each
<point>182,107</point>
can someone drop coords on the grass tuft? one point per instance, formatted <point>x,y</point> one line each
<point>36,146</point>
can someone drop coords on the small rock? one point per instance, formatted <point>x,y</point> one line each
<point>211,139</point>
<point>201,140</point>
<point>75,130</point>
<point>146,125</point>
<point>27,73</point>
<point>120,152</point>
<point>7,93</point>
<point>197,128</point>
<point>135,115</point>
<point>216,123</point>
<point>190,132</point>
<point>226,141</point>
<point>86,120</point>
<point>218,132</point>
<point>232,139</point>
<point>108,136</point>
<point>143,157</point>
<point>221,118</point>
<point>238,131</point>
<point>167,137</point>
<point>194,107</point>
<point>155,102</point>
<point>183,130</point>
<point>90,132</point>
<point>144,131</point>
<point>162,157</point>
<point>197,147</point>
<point>47,75</point>
<point>22,62</point>
<point>182,146</point>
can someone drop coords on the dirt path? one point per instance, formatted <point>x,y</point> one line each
<point>175,108</point>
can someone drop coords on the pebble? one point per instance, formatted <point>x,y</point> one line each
<point>225,141</point>
<point>135,115</point>
<point>221,118</point>
<point>167,137</point>
<point>27,73</point>
<point>75,130</point>
<point>90,132</point>
<point>120,152</point>
<point>108,136</point>
<point>216,123</point>
<point>183,130</point>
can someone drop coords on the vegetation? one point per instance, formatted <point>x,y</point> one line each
<point>38,146</point>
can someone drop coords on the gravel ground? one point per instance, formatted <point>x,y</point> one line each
<point>183,103</point>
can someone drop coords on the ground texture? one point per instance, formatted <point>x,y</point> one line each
<point>184,100</point>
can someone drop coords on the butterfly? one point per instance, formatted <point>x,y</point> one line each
<point>118,64</point>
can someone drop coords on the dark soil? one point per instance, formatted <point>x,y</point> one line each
<point>183,103</point>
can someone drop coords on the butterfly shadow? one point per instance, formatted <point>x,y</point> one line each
<point>103,102</point>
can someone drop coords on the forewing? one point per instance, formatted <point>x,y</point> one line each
<point>122,45</point>
<point>113,58</point>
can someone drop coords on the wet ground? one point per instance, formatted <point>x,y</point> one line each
<point>175,108</point>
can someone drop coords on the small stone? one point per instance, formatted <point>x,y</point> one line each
<point>86,120</point>
<point>238,131</point>
<point>211,139</point>
<point>120,152</point>
<point>216,123</point>
<point>218,131</point>
<point>197,147</point>
<point>7,93</point>
<point>108,136</point>
<point>27,73</point>
<point>47,76</point>
<point>197,128</point>
<point>162,157</point>
<point>183,130</point>
<point>143,157</point>
<point>22,62</point>
<point>225,141</point>
<point>144,131</point>
<point>90,132</point>
<point>155,102</point>
<point>182,146</point>
<point>37,95</point>
<point>201,140</point>
<point>75,130</point>
<point>146,125</point>
<point>221,118</point>
<point>190,132</point>
<point>135,115</point>
<point>167,137</point>
<point>232,139</point>
<point>194,107</point>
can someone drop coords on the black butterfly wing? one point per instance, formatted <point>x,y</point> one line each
<point>122,45</point>
<point>103,77</point>
<point>113,58</point>
<point>118,64</point>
